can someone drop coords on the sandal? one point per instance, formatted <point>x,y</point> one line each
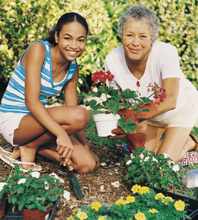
<point>12,162</point>
<point>5,152</point>
<point>194,138</point>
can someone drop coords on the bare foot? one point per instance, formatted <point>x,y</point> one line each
<point>31,167</point>
<point>28,155</point>
<point>16,153</point>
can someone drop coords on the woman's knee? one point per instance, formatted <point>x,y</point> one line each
<point>87,167</point>
<point>81,117</point>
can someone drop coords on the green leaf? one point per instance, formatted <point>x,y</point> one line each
<point>20,190</point>
<point>114,105</point>
<point>128,94</point>
<point>128,127</point>
<point>145,99</point>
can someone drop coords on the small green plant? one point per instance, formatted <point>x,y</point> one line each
<point>32,190</point>
<point>144,204</point>
<point>146,168</point>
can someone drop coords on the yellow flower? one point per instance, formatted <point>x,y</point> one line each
<point>96,206</point>
<point>121,202</point>
<point>102,218</point>
<point>164,201</point>
<point>135,188</point>
<point>169,198</point>
<point>130,199</point>
<point>179,205</point>
<point>74,211</point>
<point>159,196</point>
<point>81,215</point>
<point>140,216</point>
<point>70,218</point>
<point>144,189</point>
<point>153,211</point>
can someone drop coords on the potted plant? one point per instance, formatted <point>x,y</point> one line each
<point>32,193</point>
<point>144,204</point>
<point>146,168</point>
<point>111,102</point>
<point>106,102</point>
<point>3,190</point>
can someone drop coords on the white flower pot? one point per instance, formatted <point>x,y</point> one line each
<point>105,123</point>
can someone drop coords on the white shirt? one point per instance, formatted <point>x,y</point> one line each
<point>162,63</point>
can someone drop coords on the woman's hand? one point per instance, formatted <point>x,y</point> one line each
<point>65,148</point>
<point>151,113</point>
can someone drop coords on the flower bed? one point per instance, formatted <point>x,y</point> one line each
<point>144,204</point>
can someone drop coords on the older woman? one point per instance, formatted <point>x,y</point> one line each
<point>141,60</point>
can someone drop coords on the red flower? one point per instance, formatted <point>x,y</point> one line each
<point>101,76</point>
<point>138,84</point>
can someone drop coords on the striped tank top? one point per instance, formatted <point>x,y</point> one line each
<point>14,97</point>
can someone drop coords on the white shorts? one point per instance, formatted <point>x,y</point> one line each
<point>186,117</point>
<point>8,123</point>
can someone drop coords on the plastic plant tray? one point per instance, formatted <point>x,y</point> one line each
<point>16,215</point>
<point>192,209</point>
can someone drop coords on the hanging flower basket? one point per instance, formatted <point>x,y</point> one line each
<point>105,123</point>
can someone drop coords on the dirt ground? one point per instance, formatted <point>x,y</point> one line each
<point>104,185</point>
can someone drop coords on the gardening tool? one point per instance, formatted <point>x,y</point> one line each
<point>74,184</point>
<point>190,180</point>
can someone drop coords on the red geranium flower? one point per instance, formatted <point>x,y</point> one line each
<point>101,76</point>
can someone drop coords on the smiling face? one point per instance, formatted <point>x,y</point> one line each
<point>136,40</point>
<point>71,40</point>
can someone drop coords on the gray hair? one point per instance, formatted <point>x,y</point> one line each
<point>142,13</point>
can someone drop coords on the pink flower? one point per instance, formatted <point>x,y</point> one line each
<point>159,94</point>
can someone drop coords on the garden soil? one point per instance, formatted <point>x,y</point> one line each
<point>105,184</point>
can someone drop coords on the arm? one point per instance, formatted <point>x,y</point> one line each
<point>171,85</point>
<point>70,95</point>
<point>33,61</point>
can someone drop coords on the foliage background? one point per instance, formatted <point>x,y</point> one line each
<point>24,21</point>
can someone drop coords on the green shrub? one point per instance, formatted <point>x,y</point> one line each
<point>23,22</point>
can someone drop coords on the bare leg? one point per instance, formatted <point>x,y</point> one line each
<point>16,153</point>
<point>175,143</point>
<point>31,134</point>
<point>82,159</point>
<point>153,135</point>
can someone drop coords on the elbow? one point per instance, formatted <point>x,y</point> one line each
<point>29,102</point>
<point>173,105</point>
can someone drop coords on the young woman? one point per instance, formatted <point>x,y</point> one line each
<point>142,60</point>
<point>44,69</point>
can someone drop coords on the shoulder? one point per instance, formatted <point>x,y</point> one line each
<point>37,50</point>
<point>162,46</point>
<point>37,45</point>
<point>115,53</point>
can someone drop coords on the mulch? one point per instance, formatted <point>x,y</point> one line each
<point>105,184</point>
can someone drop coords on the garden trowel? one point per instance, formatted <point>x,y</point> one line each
<point>74,184</point>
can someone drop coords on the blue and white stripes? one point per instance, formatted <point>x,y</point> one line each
<point>14,96</point>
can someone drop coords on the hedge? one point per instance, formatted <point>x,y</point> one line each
<point>24,21</point>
